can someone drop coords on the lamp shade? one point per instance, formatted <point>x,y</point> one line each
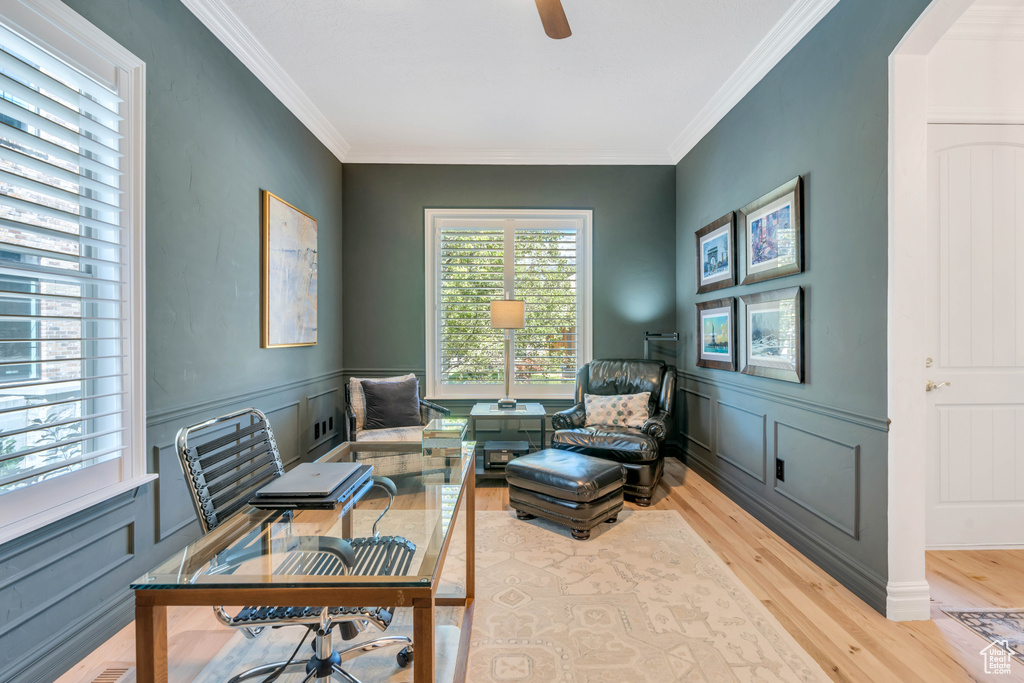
<point>508,314</point>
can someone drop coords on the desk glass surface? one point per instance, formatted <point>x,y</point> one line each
<point>429,484</point>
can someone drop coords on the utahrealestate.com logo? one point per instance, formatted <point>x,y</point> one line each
<point>998,657</point>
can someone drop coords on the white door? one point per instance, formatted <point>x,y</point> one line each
<point>976,337</point>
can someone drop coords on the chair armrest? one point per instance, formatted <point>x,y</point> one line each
<point>658,425</point>
<point>350,424</point>
<point>573,418</point>
<point>387,485</point>
<point>431,411</point>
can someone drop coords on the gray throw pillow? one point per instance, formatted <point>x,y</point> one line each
<point>391,404</point>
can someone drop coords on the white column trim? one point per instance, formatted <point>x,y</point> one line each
<point>907,589</point>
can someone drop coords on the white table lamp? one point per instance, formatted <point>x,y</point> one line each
<point>508,314</point>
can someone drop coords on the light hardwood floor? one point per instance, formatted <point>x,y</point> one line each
<point>851,641</point>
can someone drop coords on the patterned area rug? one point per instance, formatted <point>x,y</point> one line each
<point>645,599</point>
<point>994,625</point>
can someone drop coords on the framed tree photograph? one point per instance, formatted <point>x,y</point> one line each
<point>716,333</point>
<point>772,230</point>
<point>771,326</point>
<point>716,265</point>
<point>289,269</point>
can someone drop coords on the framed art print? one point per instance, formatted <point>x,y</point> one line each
<point>717,334</point>
<point>772,332</point>
<point>716,265</point>
<point>772,230</point>
<point>289,269</point>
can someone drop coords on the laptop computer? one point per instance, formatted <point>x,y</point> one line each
<point>312,480</point>
<point>345,495</point>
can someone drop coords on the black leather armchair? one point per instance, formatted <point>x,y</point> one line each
<point>639,450</point>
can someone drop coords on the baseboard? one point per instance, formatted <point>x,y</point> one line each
<point>865,583</point>
<point>976,546</point>
<point>908,601</point>
<point>77,640</point>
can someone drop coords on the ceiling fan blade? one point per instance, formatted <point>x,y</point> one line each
<point>553,17</point>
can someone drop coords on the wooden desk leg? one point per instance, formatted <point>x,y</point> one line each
<point>423,640</point>
<point>151,643</point>
<point>471,537</point>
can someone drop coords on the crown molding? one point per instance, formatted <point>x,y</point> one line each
<point>223,23</point>
<point>510,157</point>
<point>787,32</point>
<point>989,22</point>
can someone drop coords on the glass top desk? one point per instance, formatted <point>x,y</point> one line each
<point>431,487</point>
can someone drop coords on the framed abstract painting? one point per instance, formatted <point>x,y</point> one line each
<point>289,270</point>
<point>772,229</point>
<point>716,332</point>
<point>771,326</point>
<point>716,265</point>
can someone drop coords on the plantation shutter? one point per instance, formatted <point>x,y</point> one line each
<point>62,269</point>
<point>471,276</point>
<point>545,278</point>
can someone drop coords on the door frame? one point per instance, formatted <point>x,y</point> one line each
<point>908,596</point>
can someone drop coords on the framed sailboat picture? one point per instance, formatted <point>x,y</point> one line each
<point>716,332</point>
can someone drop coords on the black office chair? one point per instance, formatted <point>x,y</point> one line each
<point>223,473</point>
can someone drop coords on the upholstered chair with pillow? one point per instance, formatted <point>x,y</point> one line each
<point>623,412</point>
<point>387,409</point>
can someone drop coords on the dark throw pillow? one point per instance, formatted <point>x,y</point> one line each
<point>392,404</point>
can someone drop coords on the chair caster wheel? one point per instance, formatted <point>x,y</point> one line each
<point>404,658</point>
<point>523,515</point>
<point>580,534</point>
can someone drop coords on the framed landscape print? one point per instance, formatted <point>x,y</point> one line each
<point>772,230</point>
<point>771,326</point>
<point>288,283</point>
<point>716,331</point>
<point>716,265</point>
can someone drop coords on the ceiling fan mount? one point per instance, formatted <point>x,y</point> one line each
<point>553,17</point>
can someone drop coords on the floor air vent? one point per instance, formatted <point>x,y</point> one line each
<point>112,674</point>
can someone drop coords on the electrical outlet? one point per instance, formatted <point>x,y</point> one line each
<point>780,469</point>
<point>321,410</point>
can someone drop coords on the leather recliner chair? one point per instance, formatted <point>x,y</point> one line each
<point>639,450</point>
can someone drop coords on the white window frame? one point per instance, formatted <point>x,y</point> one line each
<point>436,219</point>
<point>68,35</point>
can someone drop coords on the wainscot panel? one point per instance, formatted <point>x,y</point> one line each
<point>743,444</point>
<point>821,475</point>
<point>831,506</point>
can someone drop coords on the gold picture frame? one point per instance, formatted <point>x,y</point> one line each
<point>288,282</point>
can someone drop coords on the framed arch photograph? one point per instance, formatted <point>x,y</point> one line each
<point>716,248</point>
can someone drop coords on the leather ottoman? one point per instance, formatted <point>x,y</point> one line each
<point>571,489</point>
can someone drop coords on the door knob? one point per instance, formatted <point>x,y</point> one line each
<point>930,385</point>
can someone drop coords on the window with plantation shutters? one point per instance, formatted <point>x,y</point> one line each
<point>475,257</point>
<point>70,266</point>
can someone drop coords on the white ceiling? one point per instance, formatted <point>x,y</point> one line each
<point>478,81</point>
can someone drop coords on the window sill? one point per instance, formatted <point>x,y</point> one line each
<point>24,526</point>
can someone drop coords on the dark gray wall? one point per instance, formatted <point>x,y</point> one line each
<point>821,113</point>
<point>383,257</point>
<point>215,137</point>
